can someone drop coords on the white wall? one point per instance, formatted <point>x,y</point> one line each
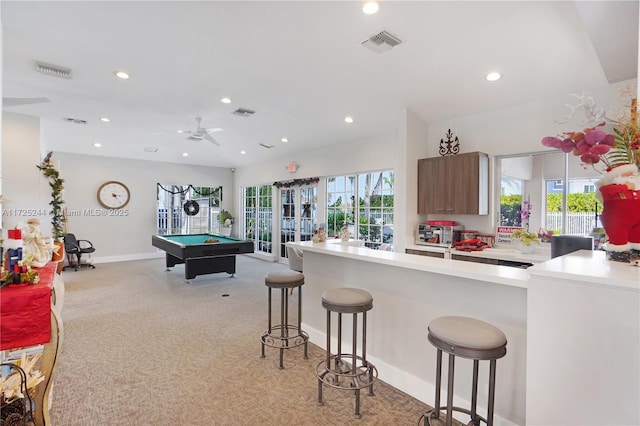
<point>26,192</point>
<point>381,152</point>
<point>115,237</point>
<point>127,237</point>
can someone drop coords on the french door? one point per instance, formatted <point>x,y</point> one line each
<point>298,212</point>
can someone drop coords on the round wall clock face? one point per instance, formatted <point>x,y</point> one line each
<point>113,195</point>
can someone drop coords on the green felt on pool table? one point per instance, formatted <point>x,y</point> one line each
<point>195,239</point>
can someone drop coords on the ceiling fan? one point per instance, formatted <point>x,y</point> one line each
<point>9,102</point>
<point>202,133</point>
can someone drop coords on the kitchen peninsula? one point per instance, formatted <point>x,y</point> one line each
<point>572,324</point>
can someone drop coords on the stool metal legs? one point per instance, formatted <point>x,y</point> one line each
<point>335,372</point>
<point>290,335</point>
<point>475,418</point>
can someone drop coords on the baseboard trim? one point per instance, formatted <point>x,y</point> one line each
<point>127,257</point>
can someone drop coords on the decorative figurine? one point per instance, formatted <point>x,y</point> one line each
<point>344,233</point>
<point>36,244</point>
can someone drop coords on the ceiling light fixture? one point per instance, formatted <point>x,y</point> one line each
<point>493,76</point>
<point>370,7</point>
<point>243,152</point>
<point>225,100</point>
<point>121,74</point>
<point>180,131</point>
<point>105,119</point>
<point>348,119</point>
<point>97,144</point>
<point>284,140</point>
<point>185,154</point>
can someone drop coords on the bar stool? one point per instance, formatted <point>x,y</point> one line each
<point>472,339</point>
<point>347,370</point>
<point>284,335</point>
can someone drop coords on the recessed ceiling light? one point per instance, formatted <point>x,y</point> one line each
<point>180,131</point>
<point>348,119</point>
<point>243,152</point>
<point>97,144</point>
<point>284,140</point>
<point>185,154</point>
<point>121,74</point>
<point>493,76</point>
<point>225,100</point>
<point>370,7</point>
<point>105,119</point>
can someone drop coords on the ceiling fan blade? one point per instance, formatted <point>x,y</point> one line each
<point>22,101</point>
<point>211,139</point>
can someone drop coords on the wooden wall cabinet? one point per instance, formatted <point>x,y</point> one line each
<point>457,184</point>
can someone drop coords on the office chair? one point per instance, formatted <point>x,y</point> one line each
<point>72,247</point>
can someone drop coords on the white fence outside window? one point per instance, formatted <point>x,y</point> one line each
<point>577,223</point>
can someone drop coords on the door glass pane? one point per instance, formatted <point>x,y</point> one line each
<point>264,224</point>
<point>308,212</point>
<point>287,218</point>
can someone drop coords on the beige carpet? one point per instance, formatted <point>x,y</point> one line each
<point>142,347</point>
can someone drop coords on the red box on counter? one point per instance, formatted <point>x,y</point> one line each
<point>442,222</point>
<point>14,234</point>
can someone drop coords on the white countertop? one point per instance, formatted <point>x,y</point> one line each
<point>590,267</point>
<point>505,275</point>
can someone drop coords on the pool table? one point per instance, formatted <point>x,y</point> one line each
<point>200,257</point>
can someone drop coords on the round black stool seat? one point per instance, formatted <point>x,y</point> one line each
<point>348,371</point>
<point>284,335</point>
<point>468,338</point>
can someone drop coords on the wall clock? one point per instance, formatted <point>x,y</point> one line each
<point>113,195</point>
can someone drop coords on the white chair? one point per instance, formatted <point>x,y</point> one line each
<point>295,259</point>
<point>385,247</point>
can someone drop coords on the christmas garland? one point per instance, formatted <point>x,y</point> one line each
<point>296,182</point>
<point>217,192</point>
<point>57,185</point>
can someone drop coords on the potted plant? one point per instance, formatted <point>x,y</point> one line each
<point>525,241</point>
<point>226,221</point>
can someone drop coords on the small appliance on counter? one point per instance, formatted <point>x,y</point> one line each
<point>439,233</point>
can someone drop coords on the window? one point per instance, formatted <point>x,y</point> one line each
<point>511,196</point>
<point>174,218</point>
<point>340,203</point>
<point>582,210</point>
<point>373,209</point>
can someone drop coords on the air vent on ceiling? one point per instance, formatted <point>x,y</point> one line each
<point>244,112</point>
<point>381,42</point>
<point>75,120</point>
<point>53,70</point>
<point>265,145</point>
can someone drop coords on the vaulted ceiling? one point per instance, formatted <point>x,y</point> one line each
<point>299,65</point>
